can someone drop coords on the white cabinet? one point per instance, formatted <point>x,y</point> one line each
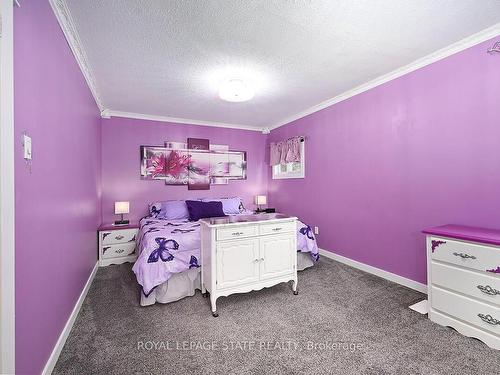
<point>276,259</point>
<point>237,263</point>
<point>117,244</point>
<point>463,278</point>
<point>245,253</point>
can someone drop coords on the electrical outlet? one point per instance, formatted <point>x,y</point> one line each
<point>316,230</point>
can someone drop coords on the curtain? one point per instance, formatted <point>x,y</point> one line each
<point>285,151</point>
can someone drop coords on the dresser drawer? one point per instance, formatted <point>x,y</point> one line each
<point>478,285</point>
<point>475,256</point>
<point>118,236</point>
<point>477,313</point>
<point>118,250</point>
<point>237,232</point>
<point>276,228</point>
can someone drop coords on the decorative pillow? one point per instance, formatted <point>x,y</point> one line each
<point>230,206</point>
<point>169,210</point>
<point>199,210</point>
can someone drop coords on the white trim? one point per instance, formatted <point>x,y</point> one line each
<point>49,366</point>
<point>7,193</point>
<point>110,113</point>
<point>415,285</point>
<point>461,45</point>
<point>63,15</point>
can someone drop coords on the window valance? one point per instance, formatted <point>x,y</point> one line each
<point>287,151</point>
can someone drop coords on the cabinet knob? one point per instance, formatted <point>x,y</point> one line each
<point>464,256</point>
<point>489,319</point>
<point>488,290</point>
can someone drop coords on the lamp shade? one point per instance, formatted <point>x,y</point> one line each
<point>260,199</point>
<point>121,208</point>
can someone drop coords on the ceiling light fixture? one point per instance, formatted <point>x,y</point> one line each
<point>236,90</point>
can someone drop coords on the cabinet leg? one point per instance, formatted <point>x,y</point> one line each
<point>203,290</point>
<point>213,301</point>
<point>294,287</point>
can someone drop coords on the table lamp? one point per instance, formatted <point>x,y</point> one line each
<point>120,209</point>
<point>259,201</point>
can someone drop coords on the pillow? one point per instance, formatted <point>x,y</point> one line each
<point>230,206</point>
<point>199,210</point>
<point>169,210</point>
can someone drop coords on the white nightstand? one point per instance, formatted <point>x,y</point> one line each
<point>117,244</point>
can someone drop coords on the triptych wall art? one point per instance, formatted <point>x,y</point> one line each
<point>197,164</point>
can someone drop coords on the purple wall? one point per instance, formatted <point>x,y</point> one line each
<point>121,139</point>
<point>419,151</point>
<point>57,205</point>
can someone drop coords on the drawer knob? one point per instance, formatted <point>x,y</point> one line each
<point>489,319</point>
<point>464,256</point>
<point>119,251</point>
<point>277,229</point>
<point>237,233</point>
<point>119,237</point>
<point>488,290</point>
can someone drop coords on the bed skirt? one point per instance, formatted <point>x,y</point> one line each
<point>184,284</point>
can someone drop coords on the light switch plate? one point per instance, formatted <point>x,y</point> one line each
<point>316,230</point>
<point>27,147</point>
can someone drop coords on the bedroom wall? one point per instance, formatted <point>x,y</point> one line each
<point>419,151</point>
<point>121,139</point>
<point>57,203</point>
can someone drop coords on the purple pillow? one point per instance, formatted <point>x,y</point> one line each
<point>169,210</point>
<point>230,206</point>
<point>199,210</point>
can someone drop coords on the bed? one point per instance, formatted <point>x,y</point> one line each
<point>167,268</point>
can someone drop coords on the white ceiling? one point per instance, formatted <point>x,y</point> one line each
<point>164,58</point>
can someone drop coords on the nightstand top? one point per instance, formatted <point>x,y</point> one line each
<point>462,232</point>
<point>132,225</point>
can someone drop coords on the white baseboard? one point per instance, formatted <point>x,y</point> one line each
<point>54,356</point>
<point>415,285</point>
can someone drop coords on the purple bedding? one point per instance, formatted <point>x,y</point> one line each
<point>166,247</point>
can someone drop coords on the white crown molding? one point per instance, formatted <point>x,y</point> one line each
<point>67,24</point>
<point>459,46</point>
<point>412,284</point>
<point>140,116</point>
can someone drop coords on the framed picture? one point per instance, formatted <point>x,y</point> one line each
<point>152,163</point>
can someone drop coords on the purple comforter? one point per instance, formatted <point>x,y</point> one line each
<point>166,247</point>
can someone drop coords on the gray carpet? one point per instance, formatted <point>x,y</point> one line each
<point>359,324</point>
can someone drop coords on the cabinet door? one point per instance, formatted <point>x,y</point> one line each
<point>237,263</point>
<point>277,255</point>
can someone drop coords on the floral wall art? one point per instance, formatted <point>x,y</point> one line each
<point>197,164</point>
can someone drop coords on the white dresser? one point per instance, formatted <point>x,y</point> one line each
<point>117,244</point>
<point>463,279</point>
<point>244,253</point>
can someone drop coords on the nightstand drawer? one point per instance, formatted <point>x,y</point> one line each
<point>118,236</point>
<point>277,228</point>
<point>465,254</point>
<point>118,250</point>
<point>474,284</point>
<point>237,232</point>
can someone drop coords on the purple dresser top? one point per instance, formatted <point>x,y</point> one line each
<point>116,227</point>
<point>462,232</point>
